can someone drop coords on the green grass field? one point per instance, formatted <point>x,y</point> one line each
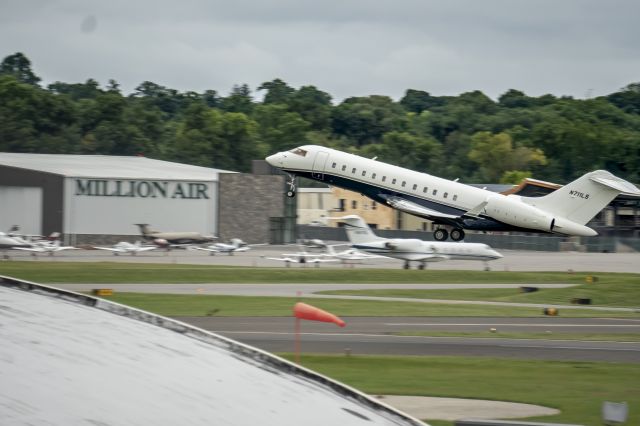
<point>577,389</point>
<point>230,306</point>
<point>613,290</point>
<point>115,272</point>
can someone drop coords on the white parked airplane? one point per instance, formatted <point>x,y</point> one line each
<point>46,247</point>
<point>459,206</point>
<point>236,245</point>
<point>302,257</point>
<point>411,249</point>
<point>10,242</point>
<point>124,247</point>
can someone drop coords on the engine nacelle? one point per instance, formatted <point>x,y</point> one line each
<point>160,242</point>
<point>511,210</point>
<point>408,245</point>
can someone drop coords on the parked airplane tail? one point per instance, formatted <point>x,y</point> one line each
<point>144,228</point>
<point>580,200</point>
<point>357,229</point>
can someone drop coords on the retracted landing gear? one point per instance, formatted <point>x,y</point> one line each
<point>291,192</point>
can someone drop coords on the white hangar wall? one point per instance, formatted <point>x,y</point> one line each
<point>114,206</point>
<point>21,205</point>
<point>99,198</point>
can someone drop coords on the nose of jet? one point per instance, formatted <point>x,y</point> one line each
<point>496,255</point>
<point>275,160</point>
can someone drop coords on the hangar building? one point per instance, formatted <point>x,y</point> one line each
<point>85,195</point>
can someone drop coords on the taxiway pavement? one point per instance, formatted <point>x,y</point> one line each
<point>512,260</point>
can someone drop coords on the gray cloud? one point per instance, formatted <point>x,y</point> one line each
<point>347,48</point>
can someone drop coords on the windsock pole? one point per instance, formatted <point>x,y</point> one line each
<point>297,340</point>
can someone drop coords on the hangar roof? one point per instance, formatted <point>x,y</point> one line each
<point>108,167</point>
<point>67,358</point>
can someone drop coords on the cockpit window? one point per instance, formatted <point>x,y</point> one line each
<point>299,151</point>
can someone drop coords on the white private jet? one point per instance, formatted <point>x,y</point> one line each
<point>456,205</point>
<point>9,243</point>
<point>236,245</point>
<point>411,249</point>
<point>303,258</point>
<point>124,247</point>
<point>42,247</point>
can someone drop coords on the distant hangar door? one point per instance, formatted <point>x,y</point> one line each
<point>22,206</point>
<point>318,165</point>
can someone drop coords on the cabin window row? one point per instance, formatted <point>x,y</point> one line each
<point>394,180</point>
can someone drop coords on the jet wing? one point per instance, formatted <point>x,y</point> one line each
<point>65,248</point>
<point>214,250</point>
<point>418,210</point>
<point>147,248</point>
<point>33,249</point>
<point>109,249</point>
<point>303,254</point>
<point>435,257</point>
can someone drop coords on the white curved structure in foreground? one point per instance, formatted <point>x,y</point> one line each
<point>71,359</point>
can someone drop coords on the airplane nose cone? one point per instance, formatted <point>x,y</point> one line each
<point>496,254</point>
<point>275,160</point>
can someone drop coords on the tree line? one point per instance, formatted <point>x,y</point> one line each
<point>469,136</point>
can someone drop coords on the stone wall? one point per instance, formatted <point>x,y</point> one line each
<point>246,205</point>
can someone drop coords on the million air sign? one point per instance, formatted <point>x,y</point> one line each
<point>141,189</point>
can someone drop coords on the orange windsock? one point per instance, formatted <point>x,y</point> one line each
<point>308,312</point>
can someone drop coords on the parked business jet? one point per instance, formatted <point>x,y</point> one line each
<point>411,249</point>
<point>46,247</point>
<point>236,245</point>
<point>302,257</point>
<point>459,206</point>
<point>170,239</point>
<point>124,247</point>
<point>8,243</point>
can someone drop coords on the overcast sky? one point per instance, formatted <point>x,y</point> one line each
<point>347,48</point>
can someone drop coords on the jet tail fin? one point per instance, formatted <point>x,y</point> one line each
<point>580,200</point>
<point>357,229</point>
<point>144,228</point>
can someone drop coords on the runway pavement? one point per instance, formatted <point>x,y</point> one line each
<point>373,335</point>
<point>512,260</point>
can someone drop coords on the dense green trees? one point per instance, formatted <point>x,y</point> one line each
<point>468,136</point>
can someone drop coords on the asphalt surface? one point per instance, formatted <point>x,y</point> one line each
<point>512,260</point>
